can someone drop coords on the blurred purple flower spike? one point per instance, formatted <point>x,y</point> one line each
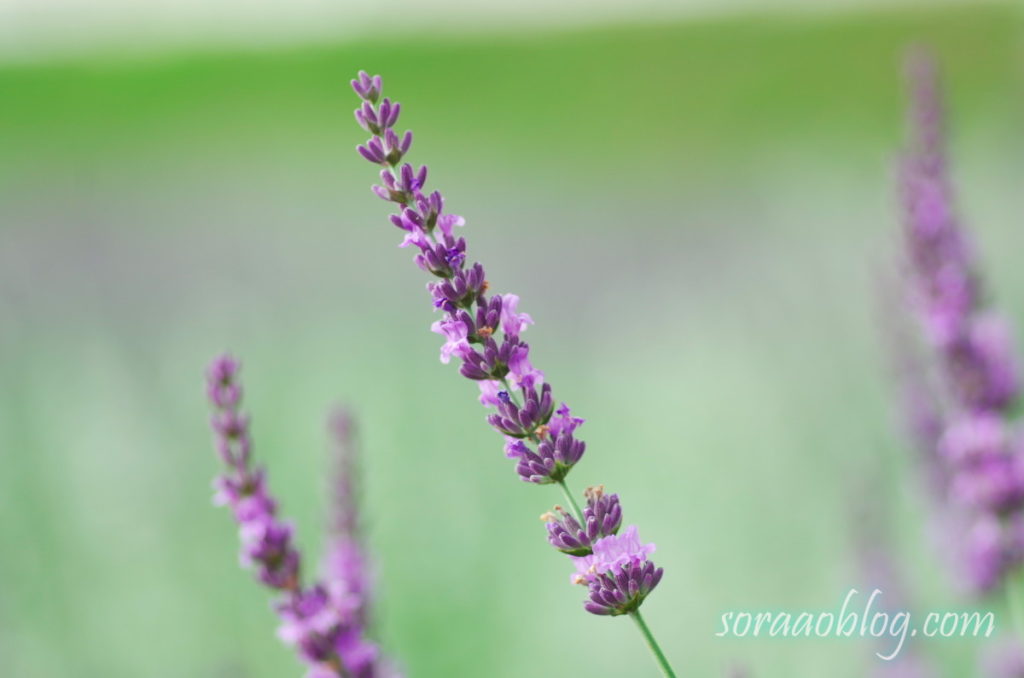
<point>325,621</point>
<point>976,443</point>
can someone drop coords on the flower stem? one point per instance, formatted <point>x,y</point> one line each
<point>577,513</point>
<point>652,644</point>
<point>1014,592</point>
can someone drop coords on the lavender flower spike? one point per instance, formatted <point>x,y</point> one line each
<point>978,444</point>
<point>484,331</point>
<point>266,540</point>
<point>326,628</point>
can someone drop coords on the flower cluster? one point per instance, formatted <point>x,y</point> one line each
<point>485,333</point>
<point>267,544</point>
<point>602,517</point>
<point>323,621</point>
<point>975,440</point>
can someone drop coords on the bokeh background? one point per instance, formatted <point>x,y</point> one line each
<point>696,208</point>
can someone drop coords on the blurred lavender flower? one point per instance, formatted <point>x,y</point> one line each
<point>485,334</point>
<point>325,621</point>
<point>977,445</point>
<point>266,540</point>
<point>869,525</point>
<point>345,568</point>
<point>1004,659</point>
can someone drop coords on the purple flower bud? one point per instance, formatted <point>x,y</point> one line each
<point>410,180</point>
<point>623,590</point>
<point>444,259</point>
<point>523,422</point>
<point>368,118</point>
<point>387,114</point>
<point>394,147</point>
<point>373,151</point>
<point>463,289</point>
<point>367,87</point>
<point>603,517</point>
<point>602,513</point>
<point>566,534</point>
<point>494,360</point>
<point>554,458</point>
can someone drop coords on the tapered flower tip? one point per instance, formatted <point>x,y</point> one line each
<point>368,87</point>
<point>341,424</point>
<point>919,63</point>
<point>222,369</point>
<point>610,554</point>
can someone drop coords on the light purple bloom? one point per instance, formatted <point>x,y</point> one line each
<point>563,422</point>
<point>489,390</point>
<point>447,222</point>
<point>456,335</point>
<point>611,554</point>
<point>415,236</point>
<point>512,321</point>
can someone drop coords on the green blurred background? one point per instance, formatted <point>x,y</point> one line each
<point>694,211</point>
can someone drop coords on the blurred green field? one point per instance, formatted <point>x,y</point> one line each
<point>694,215</point>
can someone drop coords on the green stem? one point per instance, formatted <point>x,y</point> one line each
<point>652,644</point>
<point>1014,592</point>
<point>577,513</point>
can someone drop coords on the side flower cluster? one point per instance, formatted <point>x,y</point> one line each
<point>484,332</point>
<point>324,620</point>
<point>976,440</point>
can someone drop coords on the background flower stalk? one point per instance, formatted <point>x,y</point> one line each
<point>325,621</point>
